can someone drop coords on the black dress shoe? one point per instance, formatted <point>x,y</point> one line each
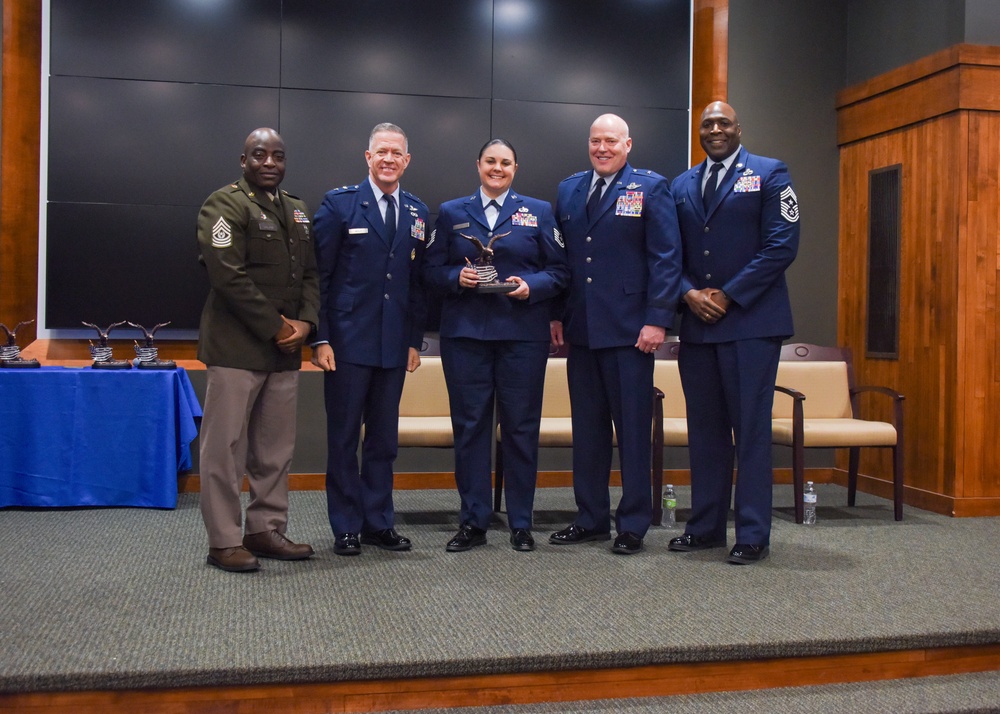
<point>386,539</point>
<point>745,554</point>
<point>576,534</point>
<point>468,537</point>
<point>520,539</point>
<point>689,542</point>
<point>347,544</point>
<point>627,543</point>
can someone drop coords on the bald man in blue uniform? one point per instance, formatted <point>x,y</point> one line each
<point>739,219</point>
<point>623,244</point>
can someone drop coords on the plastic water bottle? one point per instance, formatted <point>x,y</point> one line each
<point>809,505</point>
<point>669,507</point>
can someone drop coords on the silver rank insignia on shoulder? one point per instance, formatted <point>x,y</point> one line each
<point>222,234</point>
<point>789,205</point>
<point>632,186</point>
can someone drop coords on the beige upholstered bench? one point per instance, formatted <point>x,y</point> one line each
<point>669,417</point>
<point>424,413</point>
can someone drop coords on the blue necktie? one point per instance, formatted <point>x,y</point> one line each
<point>595,198</point>
<point>713,183</point>
<point>390,217</point>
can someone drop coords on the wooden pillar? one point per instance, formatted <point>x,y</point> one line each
<point>19,163</point>
<point>940,119</point>
<point>710,63</point>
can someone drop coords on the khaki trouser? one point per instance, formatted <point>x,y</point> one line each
<point>248,427</point>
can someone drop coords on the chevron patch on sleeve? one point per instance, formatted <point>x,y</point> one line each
<point>222,233</point>
<point>789,205</point>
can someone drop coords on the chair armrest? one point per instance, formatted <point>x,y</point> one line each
<point>658,397</point>
<point>897,399</point>
<point>793,393</point>
<point>879,390</point>
<point>797,412</point>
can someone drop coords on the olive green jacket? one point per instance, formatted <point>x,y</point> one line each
<point>261,265</point>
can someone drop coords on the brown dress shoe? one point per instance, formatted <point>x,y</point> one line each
<point>271,544</point>
<point>236,559</point>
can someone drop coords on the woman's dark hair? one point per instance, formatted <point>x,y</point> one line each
<point>502,142</point>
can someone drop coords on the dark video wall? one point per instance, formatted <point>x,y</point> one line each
<point>150,101</point>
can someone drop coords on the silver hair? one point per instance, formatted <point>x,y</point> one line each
<point>389,128</point>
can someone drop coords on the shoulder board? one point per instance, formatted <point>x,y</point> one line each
<point>577,175</point>
<point>646,173</point>
<point>413,197</point>
<point>290,195</point>
<point>345,189</point>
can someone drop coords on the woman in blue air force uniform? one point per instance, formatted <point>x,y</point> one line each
<point>495,343</point>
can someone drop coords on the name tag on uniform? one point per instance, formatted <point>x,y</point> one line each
<point>459,226</point>
<point>747,184</point>
<point>356,231</point>
<point>267,225</point>
<point>630,204</point>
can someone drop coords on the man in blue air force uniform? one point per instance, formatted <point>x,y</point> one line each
<point>739,219</point>
<point>369,247</point>
<point>623,245</point>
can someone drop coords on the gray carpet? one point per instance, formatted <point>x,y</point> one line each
<point>117,598</point>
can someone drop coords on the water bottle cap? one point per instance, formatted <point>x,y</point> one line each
<point>670,485</point>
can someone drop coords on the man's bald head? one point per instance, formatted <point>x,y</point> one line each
<point>263,159</point>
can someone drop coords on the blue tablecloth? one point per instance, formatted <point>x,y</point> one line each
<point>85,437</point>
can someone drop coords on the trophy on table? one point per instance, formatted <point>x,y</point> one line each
<point>101,352</point>
<point>146,355</point>
<point>10,353</point>
<point>489,281</point>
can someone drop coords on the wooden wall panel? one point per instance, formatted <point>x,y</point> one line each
<point>928,293</point>
<point>978,348</point>
<point>940,119</point>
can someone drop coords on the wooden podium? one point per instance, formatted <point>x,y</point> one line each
<point>938,120</point>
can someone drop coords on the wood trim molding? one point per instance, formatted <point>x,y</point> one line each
<point>415,480</point>
<point>20,97</point>
<point>519,688</point>
<point>961,77</point>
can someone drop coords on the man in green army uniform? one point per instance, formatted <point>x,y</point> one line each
<point>256,242</point>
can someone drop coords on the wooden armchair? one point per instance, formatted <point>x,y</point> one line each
<point>823,413</point>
